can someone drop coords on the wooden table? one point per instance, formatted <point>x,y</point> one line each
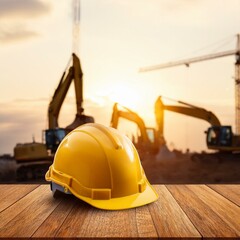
<point>181,211</point>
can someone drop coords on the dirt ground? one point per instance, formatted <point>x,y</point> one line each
<point>180,169</point>
<point>7,169</point>
<point>187,168</point>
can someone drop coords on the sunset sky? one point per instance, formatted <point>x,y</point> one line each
<point>117,37</point>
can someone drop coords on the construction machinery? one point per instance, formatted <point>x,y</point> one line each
<point>222,138</point>
<point>34,158</point>
<point>218,137</point>
<point>54,134</point>
<point>149,140</point>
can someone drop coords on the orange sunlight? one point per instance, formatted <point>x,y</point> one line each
<point>125,94</point>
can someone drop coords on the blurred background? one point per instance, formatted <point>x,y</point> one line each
<point>116,38</point>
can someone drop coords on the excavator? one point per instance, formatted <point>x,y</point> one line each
<point>54,134</point>
<point>218,137</point>
<point>34,158</point>
<point>152,139</point>
<point>149,139</point>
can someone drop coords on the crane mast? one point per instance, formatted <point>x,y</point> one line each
<point>237,86</point>
<point>189,61</point>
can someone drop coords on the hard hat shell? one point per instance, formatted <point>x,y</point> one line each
<point>101,166</point>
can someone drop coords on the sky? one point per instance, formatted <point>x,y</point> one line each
<point>117,37</point>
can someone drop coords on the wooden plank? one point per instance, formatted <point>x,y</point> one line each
<point>52,224</point>
<point>231,192</point>
<point>168,217</point>
<point>8,214</point>
<point>87,221</point>
<point>100,223</point>
<point>6,189</point>
<point>212,214</point>
<point>145,225</point>
<point>74,221</point>
<point>28,220</point>
<point>12,193</point>
<point>181,211</point>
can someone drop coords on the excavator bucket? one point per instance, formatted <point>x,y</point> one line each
<point>79,120</point>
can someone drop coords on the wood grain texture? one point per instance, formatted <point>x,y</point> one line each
<point>103,223</point>
<point>54,221</point>
<point>71,227</point>
<point>12,193</point>
<point>145,224</point>
<point>8,214</point>
<point>191,211</point>
<point>212,214</point>
<point>87,221</point>
<point>168,217</point>
<point>32,215</point>
<point>231,192</point>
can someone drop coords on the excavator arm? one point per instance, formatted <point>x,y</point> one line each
<point>218,137</point>
<point>58,98</point>
<point>54,134</point>
<point>74,74</point>
<point>188,109</point>
<point>149,139</point>
<point>131,116</point>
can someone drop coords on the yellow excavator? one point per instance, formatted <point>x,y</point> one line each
<point>34,158</point>
<point>219,137</point>
<point>148,140</point>
<point>54,134</point>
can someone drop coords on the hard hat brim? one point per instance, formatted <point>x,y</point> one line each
<point>149,195</point>
<point>136,200</point>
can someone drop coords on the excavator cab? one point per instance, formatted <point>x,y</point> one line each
<point>53,137</point>
<point>151,132</point>
<point>219,136</point>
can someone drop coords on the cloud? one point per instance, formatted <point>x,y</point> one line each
<point>18,122</point>
<point>16,34</point>
<point>23,118</point>
<point>15,16</point>
<point>23,8</point>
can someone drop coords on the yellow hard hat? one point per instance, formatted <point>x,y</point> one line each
<point>100,166</point>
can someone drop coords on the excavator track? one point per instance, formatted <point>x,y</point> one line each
<point>33,171</point>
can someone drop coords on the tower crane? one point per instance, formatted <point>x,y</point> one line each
<point>189,61</point>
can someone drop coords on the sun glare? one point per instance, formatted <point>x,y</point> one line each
<point>127,95</point>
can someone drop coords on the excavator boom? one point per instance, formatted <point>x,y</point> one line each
<point>78,82</point>
<point>149,140</point>
<point>54,134</point>
<point>74,74</point>
<point>58,98</point>
<point>189,110</point>
<point>131,116</point>
<point>218,137</point>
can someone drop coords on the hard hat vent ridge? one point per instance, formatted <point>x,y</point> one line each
<point>112,137</point>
